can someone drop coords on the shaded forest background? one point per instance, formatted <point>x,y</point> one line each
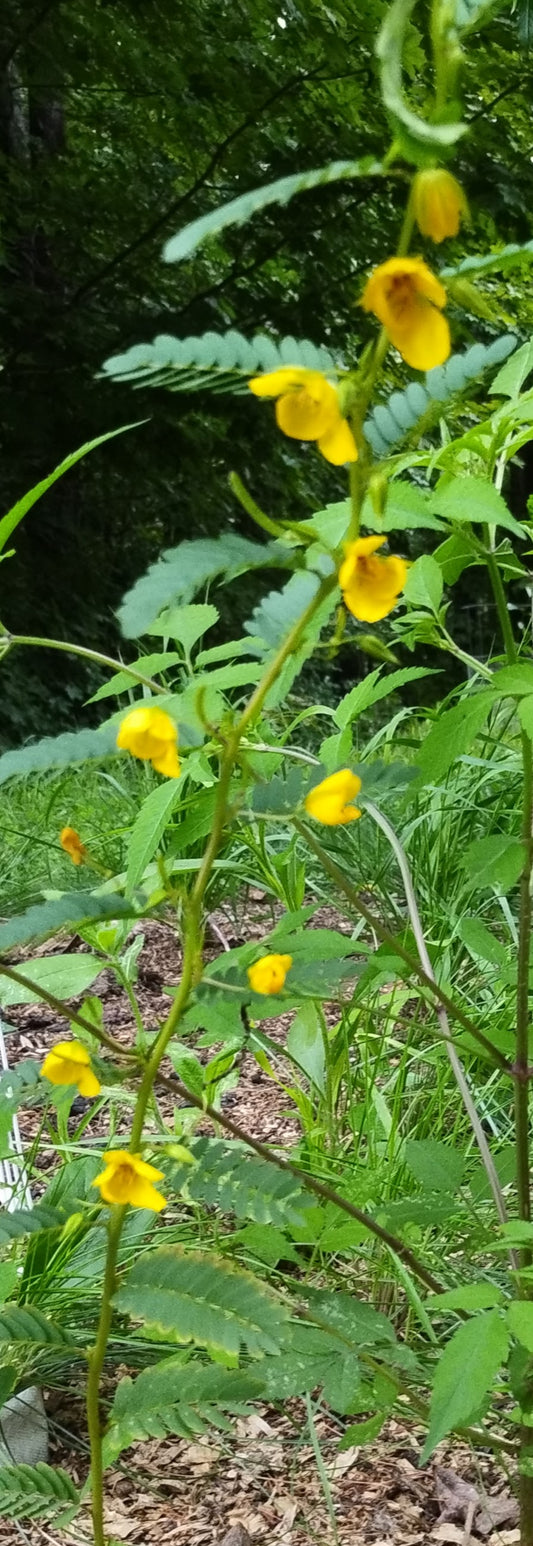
<point>118,124</point>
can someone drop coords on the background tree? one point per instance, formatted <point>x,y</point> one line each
<point>115,129</point>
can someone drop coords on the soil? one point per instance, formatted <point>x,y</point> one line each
<point>261,1484</point>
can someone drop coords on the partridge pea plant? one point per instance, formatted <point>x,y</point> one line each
<point>232,797</point>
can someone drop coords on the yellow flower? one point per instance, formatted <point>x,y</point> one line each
<point>408,300</point>
<point>438,203</point>
<point>370,586</point>
<point>268,975</point>
<point>127,1178</point>
<point>307,408</point>
<point>151,734</point>
<point>329,802</point>
<point>69,1063</point>
<point>72,844</point>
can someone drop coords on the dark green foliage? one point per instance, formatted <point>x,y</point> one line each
<point>181,572</point>
<point>218,363</point>
<point>24,1323</point>
<point>201,1299</point>
<point>240,210</point>
<point>37,1492</point>
<point>391,421</point>
<point>58,751</point>
<point>46,917</point>
<point>227,1176</point>
<point>172,1397</point>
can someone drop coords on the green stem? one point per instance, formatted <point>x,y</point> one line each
<point>522,1000</point>
<point>191,955</point>
<point>414,967</point>
<point>276,529</point>
<point>95,655</point>
<point>96,1364</point>
<point>501,608</point>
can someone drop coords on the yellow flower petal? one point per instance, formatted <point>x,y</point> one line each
<point>338,445</point>
<point>150,734</point>
<point>371,584</point>
<point>310,410</point>
<point>169,764</point>
<point>268,975</point>
<point>329,801</point>
<point>69,1062</point>
<point>88,1084</point>
<point>129,1179</point>
<point>407,298</point>
<point>277,381</point>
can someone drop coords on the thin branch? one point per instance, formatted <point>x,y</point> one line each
<point>326,1193</point>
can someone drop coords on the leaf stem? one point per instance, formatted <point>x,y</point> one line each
<point>86,654</point>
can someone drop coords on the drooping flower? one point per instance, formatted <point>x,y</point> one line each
<point>438,203</point>
<point>330,801</point>
<point>128,1178</point>
<point>307,408</point>
<point>268,975</point>
<point>408,299</point>
<point>370,585</point>
<point>72,844</point>
<point>69,1062</point>
<point>151,734</point>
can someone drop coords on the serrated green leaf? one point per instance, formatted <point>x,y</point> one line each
<point>149,827</point>
<point>470,1296</point>
<point>59,751</point>
<point>305,1043</point>
<point>424,584</point>
<point>510,379</point>
<point>515,680</point>
<point>458,553</point>
<point>66,976</point>
<point>465,1373</point>
<point>199,1298</point>
<point>406,509</point>
<point>373,688</point>
<point>186,624</point>
<point>452,735</point>
<point>481,944</point>
<point>182,571</point>
<point>525,715</point>
<point>520,1322</point>
<point>495,862</point>
<point>280,192</point>
<point>435,1165</point>
<point>123,681</point>
<point>474,500</point>
<point>47,917</point>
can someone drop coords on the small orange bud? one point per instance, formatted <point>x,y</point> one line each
<point>72,845</point>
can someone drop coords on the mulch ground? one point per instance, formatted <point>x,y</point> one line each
<point>260,1484</point>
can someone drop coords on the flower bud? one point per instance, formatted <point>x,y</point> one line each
<point>438,203</point>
